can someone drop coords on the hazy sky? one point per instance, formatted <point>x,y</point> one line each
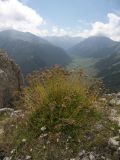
<point>68,13</point>
<point>62,17</point>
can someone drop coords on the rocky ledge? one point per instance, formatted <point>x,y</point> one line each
<point>11,79</point>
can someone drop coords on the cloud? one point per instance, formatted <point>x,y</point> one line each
<point>58,31</point>
<point>110,29</point>
<point>16,15</point>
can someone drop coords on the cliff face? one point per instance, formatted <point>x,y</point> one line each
<point>11,79</point>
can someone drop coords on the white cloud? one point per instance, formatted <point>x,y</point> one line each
<point>110,29</point>
<point>58,31</point>
<point>16,15</point>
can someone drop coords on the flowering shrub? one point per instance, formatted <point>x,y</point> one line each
<point>62,116</point>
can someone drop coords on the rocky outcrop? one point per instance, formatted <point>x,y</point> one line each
<point>11,79</point>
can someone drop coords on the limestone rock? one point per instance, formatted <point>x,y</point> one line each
<point>11,79</point>
<point>113,142</point>
<point>114,102</point>
<point>6,110</point>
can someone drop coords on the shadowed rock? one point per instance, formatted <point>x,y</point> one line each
<point>11,79</point>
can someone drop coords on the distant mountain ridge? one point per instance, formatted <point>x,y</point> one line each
<point>25,36</point>
<point>109,70</point>
<point>107,53</point>
<point>64,42</point>
<point>96,46</point>
<point>32,52</point>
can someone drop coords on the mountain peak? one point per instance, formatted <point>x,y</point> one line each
<point>95,46</point>
<point>31,52</point>
<point>99,39</point>
<point>24,36</point>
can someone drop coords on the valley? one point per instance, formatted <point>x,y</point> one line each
<point>59,79</point>
<point>98,56</point>
<point>85,64</point>
<point>52,104</point>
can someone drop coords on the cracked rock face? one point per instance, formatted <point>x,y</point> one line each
<point>11,79</point>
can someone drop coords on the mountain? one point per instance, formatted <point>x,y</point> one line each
<point>24,36</point>
<point>106,52</point>
<point>31,52</point>
<point>64,42</point>
<point>95,47</point>
<point>11,79</point>
<point>109,70</point>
